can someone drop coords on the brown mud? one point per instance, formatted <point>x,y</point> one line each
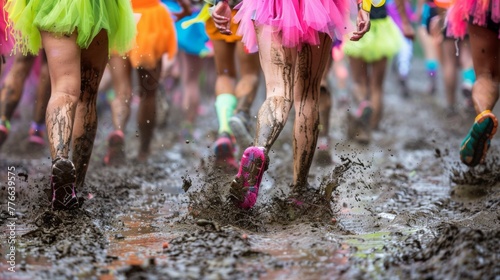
<point>402,206</point>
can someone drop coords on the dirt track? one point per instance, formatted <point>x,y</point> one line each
<point>401,207</point>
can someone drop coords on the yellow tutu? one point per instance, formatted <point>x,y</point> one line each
<point>382,41</point>
<point>87,17</point>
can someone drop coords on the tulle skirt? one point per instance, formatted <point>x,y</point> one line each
<point>155,34</point>
<point>382,41</point>
<point>193,39</point>
<point>484,13</point>
<point>88,17</point>
<point>5,38</point>
<point>296,21</point>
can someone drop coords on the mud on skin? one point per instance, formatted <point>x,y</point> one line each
<point>395,208</point>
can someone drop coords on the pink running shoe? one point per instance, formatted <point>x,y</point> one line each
<point>245,187</point>
<point>116,145</point>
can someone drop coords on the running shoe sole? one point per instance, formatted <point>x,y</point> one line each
<point>63,182</point>
<point>475,153</point>
<point>245,187</point>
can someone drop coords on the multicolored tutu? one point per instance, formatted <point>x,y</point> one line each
<point>28,17</point>
<point>296,21</point>
<point>192,39</point>
<point>155,34</point>
<point>382,41</point>
<point>485,13</point>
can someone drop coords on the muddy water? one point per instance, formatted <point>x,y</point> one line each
<point>400,207</point>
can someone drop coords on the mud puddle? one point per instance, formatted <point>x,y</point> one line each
<point>400,207</point>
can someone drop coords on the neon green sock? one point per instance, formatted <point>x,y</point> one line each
<point>225,104</point>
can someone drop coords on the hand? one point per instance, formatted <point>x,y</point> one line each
<point>408,30</point>
<point>222,17</point>
<point>363,25</point>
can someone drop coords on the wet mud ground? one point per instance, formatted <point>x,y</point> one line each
<point>401,207</point>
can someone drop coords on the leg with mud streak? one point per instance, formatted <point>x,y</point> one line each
<point>309,69</point>
<point>63,58</point>
<point>376,91</point>
<point>278,67</point>
<point>93,63</point>
<point>146,116</point>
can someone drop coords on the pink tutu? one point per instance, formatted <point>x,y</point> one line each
<point>297,21</point>
<point>6,43</point>
<point>482,12</point>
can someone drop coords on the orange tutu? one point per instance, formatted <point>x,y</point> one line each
<point>155,34</point>
<point>214,34</point>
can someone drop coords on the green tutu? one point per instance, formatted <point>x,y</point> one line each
<point>382,41</point>
<point>88,17</point>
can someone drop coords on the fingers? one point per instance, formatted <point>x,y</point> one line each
<point>363,27</point>
<point>220,19</point>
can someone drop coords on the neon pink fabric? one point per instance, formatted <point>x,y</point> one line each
<point>297,21</point>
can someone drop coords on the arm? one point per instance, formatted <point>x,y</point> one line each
<point>363,19</point>
<point>221,14</point>
<point>408,31</point>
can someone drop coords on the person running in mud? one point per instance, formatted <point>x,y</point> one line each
<point>193,49</point>
<point>155,38</point>
<point>12,92</point>
<point>428,43</point>
<point>293,60</point>
<point>76,36</point>
<point>403,58</point>
<point>483,32</point>
<point>368,61</point>
<point>447,51</point>
<point>234,97</point>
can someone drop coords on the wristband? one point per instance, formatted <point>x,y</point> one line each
<point>366,5</point>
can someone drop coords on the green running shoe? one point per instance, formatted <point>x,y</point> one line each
<point>477,142</point>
